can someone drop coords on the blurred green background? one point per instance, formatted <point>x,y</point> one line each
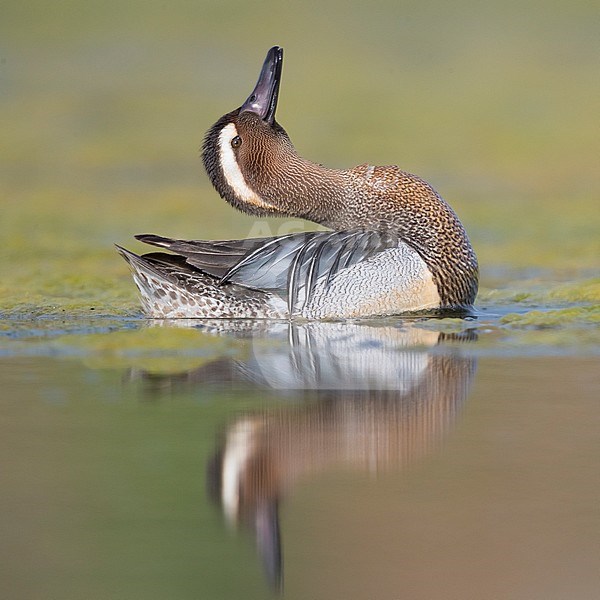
<point>103,107</point>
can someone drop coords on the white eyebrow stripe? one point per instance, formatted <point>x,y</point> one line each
<point>231,169</point>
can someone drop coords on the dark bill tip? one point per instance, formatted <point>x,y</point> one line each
<point>263,99</point>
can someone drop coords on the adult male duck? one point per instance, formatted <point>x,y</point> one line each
<point>394,245</point>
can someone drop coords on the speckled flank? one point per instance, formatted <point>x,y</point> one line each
<point>183,296</point>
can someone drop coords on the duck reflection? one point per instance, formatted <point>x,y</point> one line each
<point>373,398</point>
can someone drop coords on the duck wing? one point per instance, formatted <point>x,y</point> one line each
<point>290,266</point>
<point>293,265</point>
<point>213,257</point>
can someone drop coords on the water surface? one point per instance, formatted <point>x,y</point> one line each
<point>357,460</point>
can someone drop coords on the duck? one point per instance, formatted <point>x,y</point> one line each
<point>390,244</point>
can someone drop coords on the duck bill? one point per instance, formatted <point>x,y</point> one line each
<point>263,99</point>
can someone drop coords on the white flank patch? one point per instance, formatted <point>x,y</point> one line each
<point>231,169</point>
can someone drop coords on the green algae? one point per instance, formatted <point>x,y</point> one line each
<point>144,340</point>
<point>100,145</point>
<point>538,291</point>
<point>149,348</point>
<point>584,291</point>
<point>580,315</point>
<point>152,349</point>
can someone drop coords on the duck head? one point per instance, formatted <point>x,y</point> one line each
<point>252,163</point>
<point>245,149</point>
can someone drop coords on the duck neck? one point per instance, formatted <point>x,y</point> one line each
<point>303,189</point>
<point>389,200</point>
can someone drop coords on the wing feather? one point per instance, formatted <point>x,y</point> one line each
<point>213,257</point>
<point>291,266</point>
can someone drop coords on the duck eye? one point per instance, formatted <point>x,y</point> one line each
<point>236,142</point>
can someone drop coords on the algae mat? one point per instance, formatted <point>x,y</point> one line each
<point>103,110</point>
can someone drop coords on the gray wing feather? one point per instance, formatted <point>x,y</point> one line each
<point>290,266</point>
<point>267,267</point>
<point>213,257</point>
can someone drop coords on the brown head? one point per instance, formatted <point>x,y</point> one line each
<point>253,164</point>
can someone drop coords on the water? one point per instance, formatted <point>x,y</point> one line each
<point>342,460</point>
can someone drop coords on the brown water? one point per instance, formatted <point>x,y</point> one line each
<point>314,461</point>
